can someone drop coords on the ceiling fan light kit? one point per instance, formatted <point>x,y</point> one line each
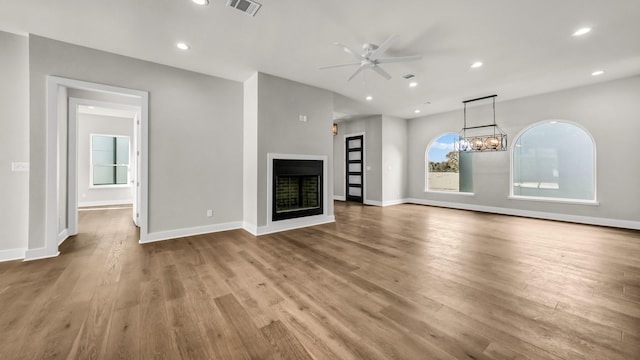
<point>468,141</point>
<point>371,58</point>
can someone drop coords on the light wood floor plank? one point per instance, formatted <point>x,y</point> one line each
<point>399,282</point>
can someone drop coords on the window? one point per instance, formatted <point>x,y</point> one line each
<point>109,160</point>
<point>554,160</point>
<point>446,169</point>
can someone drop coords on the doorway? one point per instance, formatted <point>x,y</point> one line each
<point>61,171</point>
<point>91,120</point>
<point>354,162</point>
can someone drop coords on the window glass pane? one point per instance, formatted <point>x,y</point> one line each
<point>122,150</point>
<point>355,167</point>
<point>103,175</point>
<point>555,160</point>
<point>355,191</point>
<point>102,149</point>
<point>121,174</point>
<point>102,157</point>
<point>355,179</point>
<point>355,143</point>
<point>106,152</point>
<point>355,155</point>
<point>447,170</point>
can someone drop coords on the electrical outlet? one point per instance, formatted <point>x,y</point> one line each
<point>209,213</point>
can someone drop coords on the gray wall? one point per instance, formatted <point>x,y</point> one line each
<point>371,126</point>
<point>610,111</point>
<point>195,134</point>
<point>106,125</point>
<point>394,159</point>
<point>250,154</point>
<point>14,140</point>
<point>280,102</point>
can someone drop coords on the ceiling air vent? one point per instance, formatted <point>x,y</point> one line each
<point>246,6</point>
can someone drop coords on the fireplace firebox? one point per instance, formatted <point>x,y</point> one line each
<point>297,188</point>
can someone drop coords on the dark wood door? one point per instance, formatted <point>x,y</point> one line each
<point>355,172</point>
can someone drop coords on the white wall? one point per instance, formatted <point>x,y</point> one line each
<point>394,159</point>
<point>14,144</point>
<point>195,134</point>
<point>610,111</point>
<point>106,125</point>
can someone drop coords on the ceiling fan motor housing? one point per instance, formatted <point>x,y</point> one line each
<point>369,48</point>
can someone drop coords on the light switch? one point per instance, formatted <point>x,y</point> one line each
<point>19,166</point>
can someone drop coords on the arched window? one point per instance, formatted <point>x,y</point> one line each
<point>446,169</point>
<point>554,160</point>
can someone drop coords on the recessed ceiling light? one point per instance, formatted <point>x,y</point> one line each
<point>476,64</point>
<point>582,31</point>
<point>413,84</point>
<point>369,98</point>
<point>597,73</point>
<point>417,111</point>
<point>201,2</point>
<point>182,46</point>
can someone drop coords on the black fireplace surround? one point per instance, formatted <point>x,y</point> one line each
<point>297,188</point>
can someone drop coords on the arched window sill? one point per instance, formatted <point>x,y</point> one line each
<point>555,200</point>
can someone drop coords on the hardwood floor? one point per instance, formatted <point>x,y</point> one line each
<point>402,282</point>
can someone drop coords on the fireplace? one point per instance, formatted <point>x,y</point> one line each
<point>297,188</point>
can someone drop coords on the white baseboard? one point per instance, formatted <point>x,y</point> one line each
<point>284,225</point>
<point>374,202</point>
<point>251,228</point>
<point>12,254</point>
<point>105,203</point>
<point>39,253</point>
<point>626,224</point>
<point>64,235</point>
<point>394,202</point>
<point>179,233</point>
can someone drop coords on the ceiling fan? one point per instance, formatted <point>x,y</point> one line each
<point>371,58</point>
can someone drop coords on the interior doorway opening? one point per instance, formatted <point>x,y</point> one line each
<point>61,189</point>
<point>104,142</point>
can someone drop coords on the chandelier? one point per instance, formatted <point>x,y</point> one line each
<point>472,139</point>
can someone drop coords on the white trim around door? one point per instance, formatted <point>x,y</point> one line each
<point>54,83</point>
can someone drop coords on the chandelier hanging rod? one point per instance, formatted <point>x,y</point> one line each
<point>480,126</point>
<point>480,98</point>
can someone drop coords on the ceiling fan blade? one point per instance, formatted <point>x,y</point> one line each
<point>356,73</point>
<point>340,65</point>
<point>383,47</point>
<point>349,50</point>
<point>398,59</point>
<point>382,72</point>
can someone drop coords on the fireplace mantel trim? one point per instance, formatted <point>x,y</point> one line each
<point>283,225</point>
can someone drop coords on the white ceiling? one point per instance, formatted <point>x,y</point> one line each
<point>526,46</point>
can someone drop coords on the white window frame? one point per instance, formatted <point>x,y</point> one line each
<point>109,186</point>
<point>512,196</point>
<point>426,170</point>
